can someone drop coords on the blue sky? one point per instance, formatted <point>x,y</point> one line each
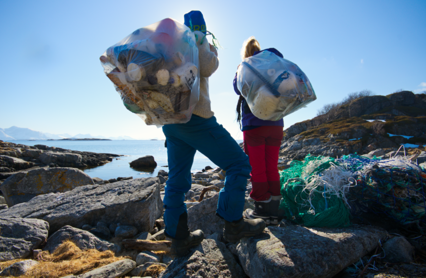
<point>52,80</point>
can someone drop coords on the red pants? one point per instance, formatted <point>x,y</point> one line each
<point>262,145</point>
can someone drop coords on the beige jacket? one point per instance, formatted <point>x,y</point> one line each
<point>208,64</point>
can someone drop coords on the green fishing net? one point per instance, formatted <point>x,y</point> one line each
<point>313,206</point>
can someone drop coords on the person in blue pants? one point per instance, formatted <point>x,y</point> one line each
<point>204,134</point>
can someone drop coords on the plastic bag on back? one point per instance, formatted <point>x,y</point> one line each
<point>272,86</point>
<point>156,72</point>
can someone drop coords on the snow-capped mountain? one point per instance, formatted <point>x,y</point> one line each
<point>19,133</point>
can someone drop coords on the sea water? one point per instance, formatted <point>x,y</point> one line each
<point>130,149</point>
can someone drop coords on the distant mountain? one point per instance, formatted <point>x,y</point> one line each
<point>4,136</point>
<point>19,133</point>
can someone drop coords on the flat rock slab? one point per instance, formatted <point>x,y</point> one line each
<point>134,202</point>
<point>23,186</point>
<point>210,259</point>
<point>14,162</point>
<point>19,236</point>
<point>296,251</point>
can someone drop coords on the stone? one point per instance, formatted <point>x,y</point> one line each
<point>218,183</point>
<point>14,162</point>
<point>98,180</point>
<point>210,259</point>
<point>296,251</point>
<point>23,186</point>
<point>142,269</point>
<point>134,202</point>
<point>145,257</point>
<point>398,250</point>
<point>203,216</point>
<point>162,179</point>
<point>19,236</point>
<point>18,268</point>
<point>144,236</point>
<point>144,162</point>
<point>115,269</point>
<point>62,159</point>
<point>125,231</point>
<point>163,173</point>
<point>86,227</point>
<point>102,232</point>
<point>201,175</point>
<point>82,239</point>
<point>32,153</point>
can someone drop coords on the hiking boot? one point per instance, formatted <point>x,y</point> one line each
<point>184,240</point>
<point>181,247</point>
<point>236,230</point>
<point>267,211</point>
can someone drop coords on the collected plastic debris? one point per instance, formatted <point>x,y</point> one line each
<point>327,192</point>
<point>155,70</point>
<point>273,87</point>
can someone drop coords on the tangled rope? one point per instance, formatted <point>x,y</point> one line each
<point>327,192</point>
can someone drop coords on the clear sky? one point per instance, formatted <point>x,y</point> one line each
<point>52,80</point>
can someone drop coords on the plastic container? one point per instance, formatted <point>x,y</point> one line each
<point>272,86</point>
<point>156,72</point>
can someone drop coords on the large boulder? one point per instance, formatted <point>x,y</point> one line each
<point>25,185</point>
<point>144,162</point>
<point>32,153</point>
<point>296,251</point>
<point>203,216</point>
<point>134,202</point>
<point>19,236</point>
<point>62,159</point>
<point>14,163</point>
<point>210,259</point>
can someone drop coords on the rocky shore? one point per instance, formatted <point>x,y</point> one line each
<point>18,157</point>
<point>49,202</point>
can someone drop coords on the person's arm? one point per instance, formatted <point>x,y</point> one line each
<point>208,62</point>
<point>207,56</point>
<point>235,86</point>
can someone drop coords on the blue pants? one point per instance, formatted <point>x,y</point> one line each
<point>214,141</point>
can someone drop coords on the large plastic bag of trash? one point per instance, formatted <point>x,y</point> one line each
<point>156,72</point>
<point>272,86</point>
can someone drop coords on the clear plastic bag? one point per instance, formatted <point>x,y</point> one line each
<point>272,86</point>
<point>156,72</point>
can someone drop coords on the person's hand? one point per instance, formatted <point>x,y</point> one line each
<point>213,49</point>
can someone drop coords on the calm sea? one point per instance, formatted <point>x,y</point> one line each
<point>131,149</point>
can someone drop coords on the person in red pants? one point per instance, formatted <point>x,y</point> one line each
<point>262,141</point>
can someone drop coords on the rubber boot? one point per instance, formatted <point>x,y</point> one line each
<point>268,211</point>
<point>275,211</point>
<point>236,230</point>
<point>262,210</point>
<point>184,239</point>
